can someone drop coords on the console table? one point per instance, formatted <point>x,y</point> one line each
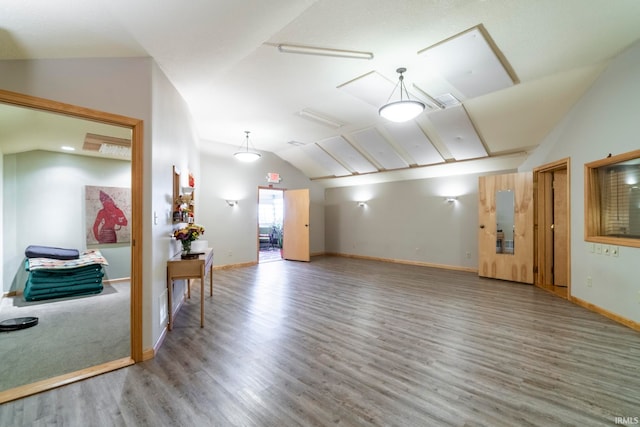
<point>197,268</point>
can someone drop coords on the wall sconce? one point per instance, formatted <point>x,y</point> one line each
<point>232,203</point>
<point>451,199</point>
<point>362,204</point>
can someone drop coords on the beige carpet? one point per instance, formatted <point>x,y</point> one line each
<point>72,334</point>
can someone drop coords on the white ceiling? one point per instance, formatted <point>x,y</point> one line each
<point>223,58</point>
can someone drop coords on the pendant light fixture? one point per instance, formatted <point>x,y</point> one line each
<point>246,155</point>
<point>403,110</point>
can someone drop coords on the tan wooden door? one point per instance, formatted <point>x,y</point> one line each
<point>560,228</point>
<point>516,266</point>
<point>295,242</point>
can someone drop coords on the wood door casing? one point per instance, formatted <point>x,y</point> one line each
<point>518,266</point>
<point>295,244</point>
<point>552,227</point>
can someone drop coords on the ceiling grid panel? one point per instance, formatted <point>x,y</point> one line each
<point>379,149</point>
<point>414,141</point>
<point>458,133</point>
<point>345,153</point>
<point>325,160</point>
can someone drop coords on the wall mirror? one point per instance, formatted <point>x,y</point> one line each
<point>31,149</point>
<point>505,217</point>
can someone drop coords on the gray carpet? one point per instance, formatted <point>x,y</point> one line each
<point>72,334</point>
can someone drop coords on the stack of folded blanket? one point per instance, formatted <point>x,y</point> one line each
<point>59,272</point>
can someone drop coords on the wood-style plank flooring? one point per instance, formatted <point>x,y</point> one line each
<point>350,342</point>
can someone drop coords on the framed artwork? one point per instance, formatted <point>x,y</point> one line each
<point>108,215</point>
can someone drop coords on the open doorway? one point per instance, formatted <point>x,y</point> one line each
<point>270,221</point>
<point>552,228</point>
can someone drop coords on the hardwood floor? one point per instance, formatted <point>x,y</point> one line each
<point>352,342</point>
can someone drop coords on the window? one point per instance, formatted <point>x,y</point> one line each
<point>612,200</point>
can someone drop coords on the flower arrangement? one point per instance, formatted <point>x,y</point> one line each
<point>188,234</point>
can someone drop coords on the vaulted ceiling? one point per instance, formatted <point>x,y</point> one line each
<point>496,76</point>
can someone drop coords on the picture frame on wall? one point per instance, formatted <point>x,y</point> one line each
<point>108,215</point>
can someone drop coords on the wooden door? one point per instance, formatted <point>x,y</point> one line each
<point>295,242</point>
<point>560,228</point>
<point>552,227</point>
<point>493,260</point>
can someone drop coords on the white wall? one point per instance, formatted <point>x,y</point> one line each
<point>232,232</point>
<point>174,143</point>
<point>114,85</point>
<point>605,120</point>
<point>407,220</point>
<point>45,206</point>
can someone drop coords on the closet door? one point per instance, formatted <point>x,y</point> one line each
<point>505,237</point>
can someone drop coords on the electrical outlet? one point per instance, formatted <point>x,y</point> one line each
<point>592,247</point>
<point>598,248</point>
<point>468,255</point>
<point>606,249</point>
<point>230,253</point>
<point>589,282</point>
<point>615,251</point>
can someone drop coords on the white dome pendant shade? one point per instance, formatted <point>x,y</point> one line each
<point>403,110</point>
<point>246,155</point>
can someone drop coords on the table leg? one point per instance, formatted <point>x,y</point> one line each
<point>202,271</point>
<point>170,302</point>
<point>211,280</point>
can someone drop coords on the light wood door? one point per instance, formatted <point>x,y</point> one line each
<point>295,242</point>
<point>516,266</point>
<point>560,228</point>
<point>553,248</point>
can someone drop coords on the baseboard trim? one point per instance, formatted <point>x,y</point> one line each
<point>240,265</point>
<point>11,294</point>
<point>61,380</point>
<point>615,317</point>
<point>150,353</point>
<point>406,262</point>
<point>116,281</point>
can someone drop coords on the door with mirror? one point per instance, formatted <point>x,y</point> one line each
<point>505,236</point>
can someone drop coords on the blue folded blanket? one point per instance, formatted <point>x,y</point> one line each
<point>35,251</point>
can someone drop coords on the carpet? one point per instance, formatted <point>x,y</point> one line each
<point>72,334</point>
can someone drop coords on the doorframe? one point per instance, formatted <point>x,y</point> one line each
<point>272,188</point>
<point>136,126</point>
<point>543,197</point>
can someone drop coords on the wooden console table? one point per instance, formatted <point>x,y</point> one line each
<point>197,268</point>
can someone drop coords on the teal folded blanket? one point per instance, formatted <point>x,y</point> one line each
<point>59,292</point>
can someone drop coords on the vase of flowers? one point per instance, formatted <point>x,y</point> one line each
<point>186,236</point>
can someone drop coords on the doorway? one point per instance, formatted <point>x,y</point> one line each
<point>136,126</point>
<point>270,224</point>
<point>552,228</point>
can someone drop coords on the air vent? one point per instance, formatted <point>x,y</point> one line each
<point>296,143</point>
<point>107,145</point>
